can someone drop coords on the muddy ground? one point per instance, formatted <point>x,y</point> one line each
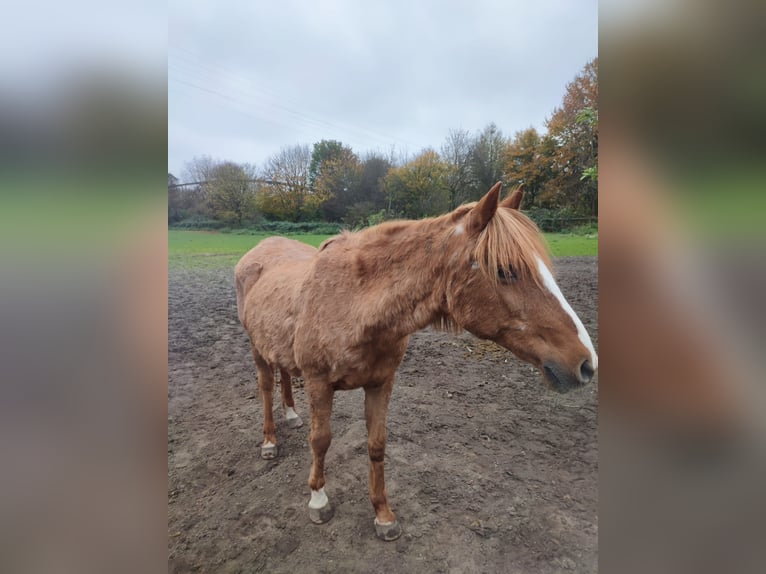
<point>486,469</point>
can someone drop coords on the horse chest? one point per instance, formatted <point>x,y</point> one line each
<point>354,366</point>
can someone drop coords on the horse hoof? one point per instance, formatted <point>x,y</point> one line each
<point>295,423</point>
<point>269,451</point>
<point>388,531</point>
<point>321,515</point>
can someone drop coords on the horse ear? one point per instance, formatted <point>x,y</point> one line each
<point>485,209</point>
<point>513,201</point>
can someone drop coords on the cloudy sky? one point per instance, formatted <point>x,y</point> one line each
<point>246,78</point>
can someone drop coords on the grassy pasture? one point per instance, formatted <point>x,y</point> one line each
<point>571,245</point>
<point>208,250</point>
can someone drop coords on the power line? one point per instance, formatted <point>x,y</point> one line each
<point>256,180</point>
<point>245,103</point>
<point>193,60</point>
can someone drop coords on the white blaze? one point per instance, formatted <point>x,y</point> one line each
<point>318,499</point>
<point>550,284</point>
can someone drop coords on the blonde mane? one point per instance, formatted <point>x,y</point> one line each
<point>512,242</point>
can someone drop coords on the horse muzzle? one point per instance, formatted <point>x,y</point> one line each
<point>563,380</point>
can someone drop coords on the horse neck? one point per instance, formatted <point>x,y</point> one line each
<point>406,262</point>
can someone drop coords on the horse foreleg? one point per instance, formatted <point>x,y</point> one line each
<point>320,400</point>
<point>292,418</point>
<point>266,383</point>
<point>375,410</point>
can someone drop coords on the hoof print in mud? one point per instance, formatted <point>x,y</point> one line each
<point>388,532</point>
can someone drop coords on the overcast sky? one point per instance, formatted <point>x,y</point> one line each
<point>246,78</point>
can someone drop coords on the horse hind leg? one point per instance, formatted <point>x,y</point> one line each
<point>292,418</point>
<point>266,383</point>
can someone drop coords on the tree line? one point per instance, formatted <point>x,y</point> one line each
<point>330,182</point>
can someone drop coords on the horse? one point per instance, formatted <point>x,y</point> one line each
<point>341,316</point>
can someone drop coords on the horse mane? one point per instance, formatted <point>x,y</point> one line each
<point>512,242</point>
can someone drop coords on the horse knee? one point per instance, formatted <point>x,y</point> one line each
<point>320,440</point>
<point>376,450</point>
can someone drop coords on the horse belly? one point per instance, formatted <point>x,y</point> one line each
<point>270,319</point>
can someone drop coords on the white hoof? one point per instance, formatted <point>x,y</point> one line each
<point>292,418</point>
<point>268,450</point>
<point>320,510</point>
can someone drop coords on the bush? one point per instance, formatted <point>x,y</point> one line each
<point>357,214</point>
<point>278,227</point>
<point>376,218</point>
<point>587,229</point>
<point>198,222</point>
<point>284,227</point>
<point>563,219</point>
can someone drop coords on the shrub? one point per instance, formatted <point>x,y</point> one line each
<point>198,222</point>
<point>278,227</point>
<point>376,218</point>
<point>563,219</point>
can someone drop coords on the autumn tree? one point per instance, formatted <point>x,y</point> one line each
<point>322,152</point>
<point>231,192</point>
<point>589,116</point>
<point>190,201</point>
<point>335,172</point>
<point>529,159</point>
<point>418,188</point>
<point>288,197</point>
<point>576,140</point>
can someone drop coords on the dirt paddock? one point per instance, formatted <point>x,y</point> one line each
<point>486,469</point>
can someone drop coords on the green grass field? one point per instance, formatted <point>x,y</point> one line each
<point>570,245</point>
<point>207,250</point>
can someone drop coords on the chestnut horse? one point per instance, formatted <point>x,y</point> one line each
<point>341,316</point>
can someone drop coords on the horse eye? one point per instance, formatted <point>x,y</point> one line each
<point>506,274</point>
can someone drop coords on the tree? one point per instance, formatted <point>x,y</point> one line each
<point>200,169</point>
<point>528,159</point>
<point>418,188</point>
<point>486,160</point>
<point>174,203</point>
<point>323,151</point>
<point>589,116</point>
<point>289,198</point>
<point>231,192</point>
<point>374,169</point>
<point>336,172</point>
<point>576,138</point>
<point>185,202</point>
<point>456,153</point>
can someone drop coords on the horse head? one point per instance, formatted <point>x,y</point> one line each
<point>501,288</point>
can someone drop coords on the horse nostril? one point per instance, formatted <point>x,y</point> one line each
<point>586,371</point>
